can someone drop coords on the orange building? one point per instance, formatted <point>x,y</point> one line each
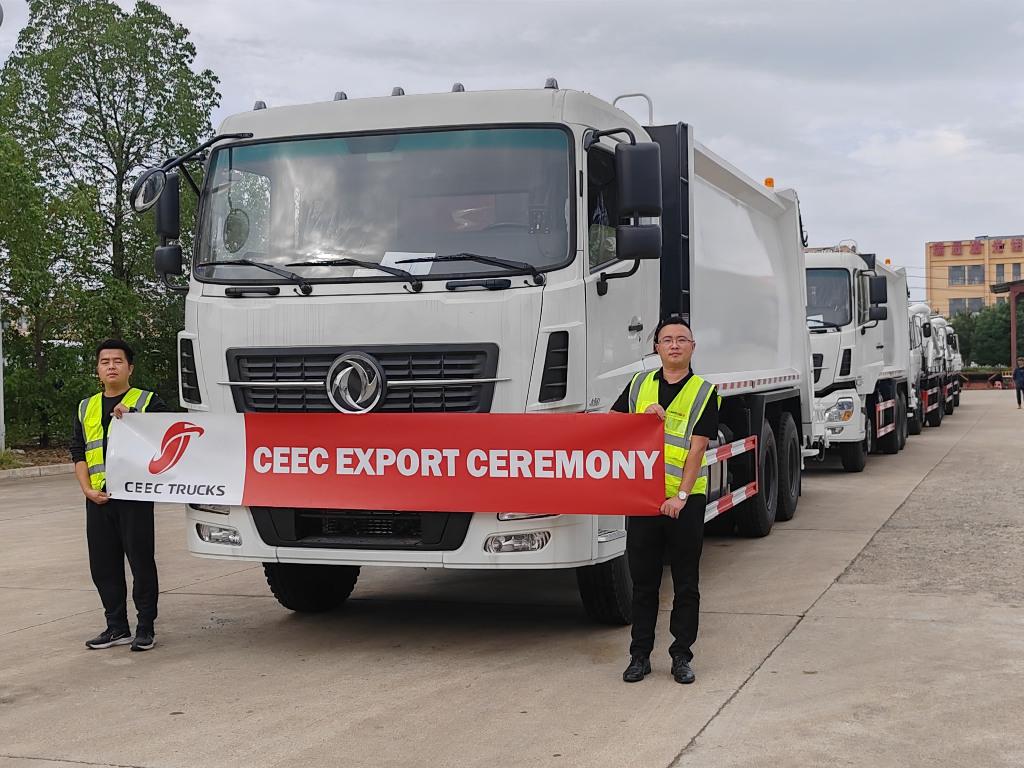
<point>959,274</point>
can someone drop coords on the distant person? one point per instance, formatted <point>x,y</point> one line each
<point>1018,380</point>
<point>688,405</point>
<point>115,528</point>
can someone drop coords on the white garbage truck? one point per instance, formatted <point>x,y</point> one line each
<point>858,321</point>
<point>502,252</point>
<point>934,380</point>
<point>952,363</point>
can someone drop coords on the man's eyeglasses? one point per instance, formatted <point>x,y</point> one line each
<point>675,341</point>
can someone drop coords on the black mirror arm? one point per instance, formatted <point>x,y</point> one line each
<point>190,180</point>
<point>591,137</point>
<point>602,283</point>
<point>172,286</point>
<point>175,162</point>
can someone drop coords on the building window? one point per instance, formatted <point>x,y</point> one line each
<point>957,275</point>
<point>1000,272</point>
<point>975,305</point>
<point>975,274</point>
<point>1015,271</point>
<point>1000,299</point>
<point>957,306</point>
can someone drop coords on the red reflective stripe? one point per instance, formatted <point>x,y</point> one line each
<point>886,430</point>
<point>724,504</point>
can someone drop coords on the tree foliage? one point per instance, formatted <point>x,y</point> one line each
<point>90,96</point>
<point>985,335</point>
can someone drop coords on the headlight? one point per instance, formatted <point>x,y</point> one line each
<point>841,411</point>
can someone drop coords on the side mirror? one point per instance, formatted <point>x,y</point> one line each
<point>168,209</point>
<point>638,171</point>
<point>638,241</point>
<point>878,290</point>
<point>147,190</point>
<point>877,313</point>
<point>927,330</point>
<point>168,260</point>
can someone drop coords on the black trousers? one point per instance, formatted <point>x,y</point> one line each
<point>1020,391</point>
<point>116,530</point>
<point>647,541</point>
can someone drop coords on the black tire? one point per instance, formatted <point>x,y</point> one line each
<point>934,418</point>
<point>311,588</point>
<point>789,469</point>
<point>949,405</point>
<point>754,518</point>
<point>890,441</point>
<point>956,398</point>
<point>854,456</point>
<point>901,419</point>
<point>606,590</point>
<point>915,425</point>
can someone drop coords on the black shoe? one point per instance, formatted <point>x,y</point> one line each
<point>144,640</point>
<point>639,667</point>
<point>681,671</point>
<point>108,638</point>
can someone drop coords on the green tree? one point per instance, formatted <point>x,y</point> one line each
<point>93,94</point>
<point>991,338</point>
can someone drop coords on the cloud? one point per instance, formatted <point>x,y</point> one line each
<point>897,121</point>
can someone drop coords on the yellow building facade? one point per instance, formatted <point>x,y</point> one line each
<point>959,274</point>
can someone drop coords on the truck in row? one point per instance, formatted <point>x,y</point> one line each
<point>509,252</point>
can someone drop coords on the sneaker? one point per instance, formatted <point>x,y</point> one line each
<point>639,667</point>
<point>144,640</point>
<point>108,638</point>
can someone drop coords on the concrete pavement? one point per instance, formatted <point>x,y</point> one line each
<point>850,636</point>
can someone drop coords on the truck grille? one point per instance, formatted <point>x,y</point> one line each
<point>400,363</point>
<point>359,529</point>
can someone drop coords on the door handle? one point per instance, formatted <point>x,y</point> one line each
<point>636,326</point>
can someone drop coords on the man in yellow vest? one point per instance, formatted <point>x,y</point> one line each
<point>115,528</point>
<point>689,407</point>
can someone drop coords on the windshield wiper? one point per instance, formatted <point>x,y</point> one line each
<point>517,266</point>
<point>415,282</point>
<point>823,324</point>
<point>298,279</point>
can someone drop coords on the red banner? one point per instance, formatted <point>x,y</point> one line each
<point>603,464</point>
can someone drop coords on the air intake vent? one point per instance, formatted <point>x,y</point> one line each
<point>844,368</point>
<point>556,368</point>
<point>818,360</point>
<point>189,374</point>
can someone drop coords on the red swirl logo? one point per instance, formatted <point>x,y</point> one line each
<point>172,447</point>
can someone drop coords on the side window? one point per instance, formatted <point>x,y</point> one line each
<point>602,207</point>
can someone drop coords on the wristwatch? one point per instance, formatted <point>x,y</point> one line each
<point>682,495</point>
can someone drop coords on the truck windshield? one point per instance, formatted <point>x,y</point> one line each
<point>386,198</point>
<point>828,298</point>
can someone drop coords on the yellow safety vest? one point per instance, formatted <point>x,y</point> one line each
<point>681,417</point>
<point>90,413</point>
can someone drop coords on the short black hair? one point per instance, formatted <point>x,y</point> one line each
<point>671,320</point>
<point>129,355</point>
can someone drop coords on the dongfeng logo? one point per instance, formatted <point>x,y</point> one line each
<point>173,445</point>
<point>355,383</point>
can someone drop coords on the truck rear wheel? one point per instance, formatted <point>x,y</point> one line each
<point>606,590</point>
<point>890,441</point>
<point>789,468</point>
<point>311,588</point>
<point>901,419</point>
<point>934,418</point>
<point>755,517</point>
<point>948,405</point>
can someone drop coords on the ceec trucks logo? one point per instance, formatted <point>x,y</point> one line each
<point>173,445</point>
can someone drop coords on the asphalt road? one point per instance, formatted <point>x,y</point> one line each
<point>883,626</point>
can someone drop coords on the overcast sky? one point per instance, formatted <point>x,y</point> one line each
<point>897,121</point>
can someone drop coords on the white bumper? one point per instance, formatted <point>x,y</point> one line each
<point>575,540</point>
<point>850,431</point>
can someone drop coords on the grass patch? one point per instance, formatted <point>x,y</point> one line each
<point>11,460</point>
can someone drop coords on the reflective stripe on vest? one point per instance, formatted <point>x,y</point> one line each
<point>90,414</point>
<point>681,417</point>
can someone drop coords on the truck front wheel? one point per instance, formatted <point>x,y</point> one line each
<point>311,588</point>
<point>934,417</point>
<point>606,590</point>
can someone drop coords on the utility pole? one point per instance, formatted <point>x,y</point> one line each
<point>3,424</point>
